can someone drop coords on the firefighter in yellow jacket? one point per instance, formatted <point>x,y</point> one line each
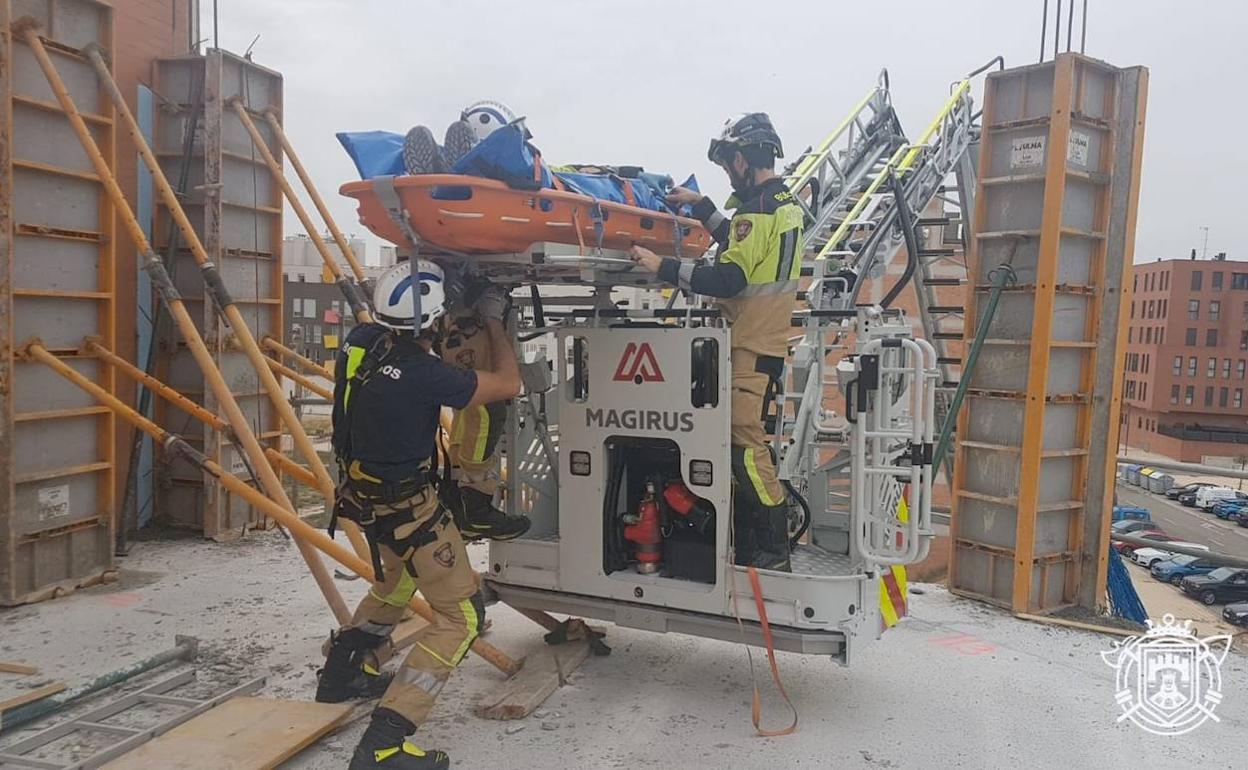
<point>754,279</point>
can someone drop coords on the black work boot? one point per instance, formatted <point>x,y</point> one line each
<point>421,153</point>
<point>477,518</point>
<point>771,530</point>
<point>385,745</point>
<point>460,138</point>
<point>350,671</point>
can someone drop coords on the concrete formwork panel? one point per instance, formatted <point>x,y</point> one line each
<point>1056,200</point>
<point>235,209</point>
<point>57,461</point>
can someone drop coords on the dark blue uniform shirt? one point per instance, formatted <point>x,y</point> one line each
<point>394,415</point>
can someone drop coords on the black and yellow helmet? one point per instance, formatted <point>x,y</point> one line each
<point>752,129</point>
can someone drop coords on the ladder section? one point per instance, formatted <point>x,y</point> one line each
<point>829,181</point>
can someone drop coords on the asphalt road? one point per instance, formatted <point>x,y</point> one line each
<point>1190,524</point>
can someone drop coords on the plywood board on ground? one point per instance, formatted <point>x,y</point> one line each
<point>242,733</point>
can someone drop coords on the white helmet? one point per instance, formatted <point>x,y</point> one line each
<point>486,117</point>
<point>392,296</point>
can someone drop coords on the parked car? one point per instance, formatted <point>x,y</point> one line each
<point>1147,557</point>
<point>1174,570</point>
<point>1224,584</point>
<point>1228,508</point>
<point>1236,614</point>
<point>1126,549</point>
<point>1174,492</point>
<point>1131,526</point>
<point>1241,518</point>
<point>1125,512</point>
<point>1207,497</point>
<point>1188,498</point>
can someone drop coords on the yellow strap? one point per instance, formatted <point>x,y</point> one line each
<point>380,755</point>
<point>402,593</point>
<point>355,356</point>
<point>483,434</point>
<point>751,469</point>
<point>470,617</point>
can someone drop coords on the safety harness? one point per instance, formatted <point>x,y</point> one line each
<point>371,502</point>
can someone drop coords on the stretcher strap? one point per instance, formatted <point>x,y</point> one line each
<point>756,707</point>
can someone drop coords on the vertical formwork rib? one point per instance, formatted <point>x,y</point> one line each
<point>57,463</point>
<point>236,214</point>
<point>1056,198</point>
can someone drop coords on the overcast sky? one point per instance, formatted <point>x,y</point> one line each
<point>649,81</point>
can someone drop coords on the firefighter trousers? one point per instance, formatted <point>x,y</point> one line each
<point>447,582</point>
<point>752,463</point>
<point>474,437</point>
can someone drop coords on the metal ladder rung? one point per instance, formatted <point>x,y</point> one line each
<point>946,309</point>
<point>943,282</point>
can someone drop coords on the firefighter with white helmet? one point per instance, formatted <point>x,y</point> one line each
<point>754,280</point>
<point>389,389</point>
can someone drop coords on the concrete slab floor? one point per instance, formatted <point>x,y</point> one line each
<point>957,684</point>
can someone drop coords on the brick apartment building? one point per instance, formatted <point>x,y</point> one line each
<point>1187,352</point>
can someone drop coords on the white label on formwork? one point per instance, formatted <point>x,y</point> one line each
<point>237,466</point>
<point>53,502</point>
<point>1077,149</point>
<point>1027,151</point>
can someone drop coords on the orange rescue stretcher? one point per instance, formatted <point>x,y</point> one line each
<point>475,215</point>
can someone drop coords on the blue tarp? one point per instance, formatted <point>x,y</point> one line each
<point>504,155</point>
<point>507,156</point>
<point>375,153</point>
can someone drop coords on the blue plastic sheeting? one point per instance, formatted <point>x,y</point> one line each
<point>504,155</point>
<point>375,153</point>
<point>1124,600</point>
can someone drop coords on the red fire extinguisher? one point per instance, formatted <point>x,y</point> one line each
<point>644,529</point>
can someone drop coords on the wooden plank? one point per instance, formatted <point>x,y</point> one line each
<point>245,733</point>
<point>30,696</point>
<point>543,673</point>
<point>17,668</point>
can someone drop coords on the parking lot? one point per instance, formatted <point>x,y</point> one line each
<point>1191,525</point>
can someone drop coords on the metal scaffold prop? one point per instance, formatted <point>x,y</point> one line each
<point>273,500</point>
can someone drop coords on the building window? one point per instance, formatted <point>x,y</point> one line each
<point>1223,396</point>
<point>1196,280</point>
<point>1161,334</point>
<point>1131,335</point>
<point>1191,339</point>
<point>1174,394</point>
<point>303,278</point>
<point>1149,309</point>
<point>1226,368</point>
<point>1246,310</point>
<point>1215,308</point>
<point>1191,366</point>
<point>1193,309</point>
<point>1188,394</point>
<point>1165,307</point>
<point>316,335</point>
<point>1216,281</point>
<point>1143,391</point>
<point>1209,396</point>
<point>1133,308</point>
<point>1139,422</point>
<point>1238,403</point>
<point>1148,335</point>
<point>1130,388</point>
<point>1147,361</point>
<point>1177,369</point>
<point>1211,371</point>
<point>1240,365</point>
<point>1243,340</point>
<point>1211,338</point>
<point>1239,280</point>
<point>1135,282</point>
